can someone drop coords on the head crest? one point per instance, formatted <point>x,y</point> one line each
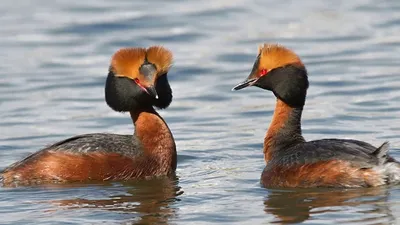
<point>275,55</point>
<point>161,57</point>
<point>127,61</point>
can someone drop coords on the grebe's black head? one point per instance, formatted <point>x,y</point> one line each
<point>281,71</point>
<point>137,78</point>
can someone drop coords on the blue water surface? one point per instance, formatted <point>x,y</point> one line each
<point>54,61</point>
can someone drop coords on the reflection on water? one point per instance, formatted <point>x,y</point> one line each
<point>353,205</point>
<point>145,202</point>
<point>54,61</point>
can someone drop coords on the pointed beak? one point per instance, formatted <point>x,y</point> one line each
<point>251,79</point>
<point>149,73</point>
<point>248,82</point>
<point>151,90</point>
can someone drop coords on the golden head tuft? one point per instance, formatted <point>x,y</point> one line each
<point>275,55</point>
<point>160,57</point>
<point>127,61</point>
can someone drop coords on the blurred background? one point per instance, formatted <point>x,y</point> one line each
<point>54,60</point>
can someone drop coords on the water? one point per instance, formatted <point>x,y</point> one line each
<point>55,56</point>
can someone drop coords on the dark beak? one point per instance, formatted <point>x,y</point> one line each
<point>149,72</point>
<point>152,91</point>
<point>248,82</point>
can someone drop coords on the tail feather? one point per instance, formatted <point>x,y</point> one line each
<point>381,153</point>
<point>388,166</point>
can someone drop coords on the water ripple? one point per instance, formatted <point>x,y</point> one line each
<point>54,64</point>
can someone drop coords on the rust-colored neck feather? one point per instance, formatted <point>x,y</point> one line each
<point>155,136</point>
<point>284,130</point>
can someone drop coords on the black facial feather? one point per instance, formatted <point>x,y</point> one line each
<point>164,92</point>
<point>124,95</point>
<point>289,83</point>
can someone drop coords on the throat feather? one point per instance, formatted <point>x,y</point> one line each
<point>284,128</point>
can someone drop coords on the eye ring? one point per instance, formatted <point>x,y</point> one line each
<point>263,72</point>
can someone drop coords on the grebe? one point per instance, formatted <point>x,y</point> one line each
<point>293,162</point>
<point>136,83</point>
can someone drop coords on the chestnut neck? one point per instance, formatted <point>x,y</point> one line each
<point>284,130</point>
<point>155,136</point>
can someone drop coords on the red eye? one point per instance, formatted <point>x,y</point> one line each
<point>263,72</point>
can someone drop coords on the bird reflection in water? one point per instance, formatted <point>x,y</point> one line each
<point>148,201</point>
<point>299,205</point>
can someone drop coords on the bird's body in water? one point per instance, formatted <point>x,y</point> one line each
<point>293,162</point>
<point>136,83</point>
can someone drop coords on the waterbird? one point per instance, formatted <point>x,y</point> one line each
<point>136,83</point>
<point>293,162</point>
